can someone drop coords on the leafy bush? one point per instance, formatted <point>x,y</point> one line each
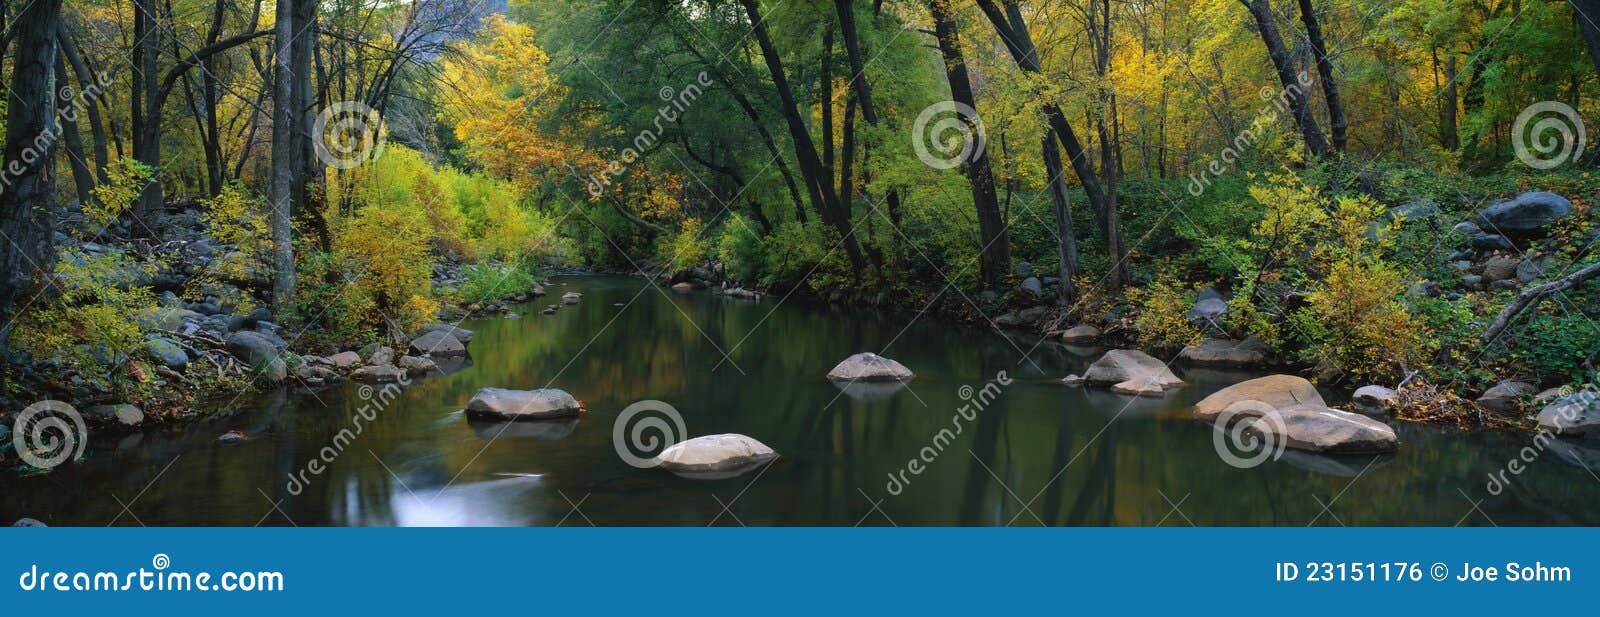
<point>238,219</point>
<point>92,319</point>
<point>741,249</point>
<point>125,178</point>
<point>491,282</point>
<point>687,248</point>
<point>382,251</point>
<point>1161,323</point>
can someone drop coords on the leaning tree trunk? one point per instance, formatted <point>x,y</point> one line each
<point>994,257</point>
<point>818,187</point>
<point>1330,84</point>
<point>284,157</point>
<point>67,115</point>
<point>26,212</point>
<point>858,78</point>
<point>1587,14</point>
<point>1293,92</point>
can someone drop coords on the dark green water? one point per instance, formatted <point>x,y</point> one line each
<point>1038,453</point>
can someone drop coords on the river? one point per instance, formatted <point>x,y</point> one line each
<point>1039,453</point>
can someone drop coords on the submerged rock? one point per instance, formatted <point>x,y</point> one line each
<point>415,365</point>
<point>1275,391</point>
<point>869,366</point>
<point>382,373</point>
<point>1317,428</point>
<point>1139,387</point>
<point>1119,365</point>
<point>1072,380</point>
<point>504,404</point>
<point>714,453</point>
<point>121,415</point>
<point>571,297</point>
<point>461,334</point>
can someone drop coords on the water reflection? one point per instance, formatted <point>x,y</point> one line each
<point>1041,453</point>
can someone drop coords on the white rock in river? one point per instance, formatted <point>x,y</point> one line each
<point>1274,391</point>
<point>869,367</point>
<point>1576,415</point>
<point>713,453</point>
<point>1321,429</point>
<point>504,404</point>
<point>1119,365</point>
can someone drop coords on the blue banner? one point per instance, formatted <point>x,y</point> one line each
<point>238,571</point>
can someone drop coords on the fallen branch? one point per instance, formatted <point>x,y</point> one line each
<point>1532,296</point>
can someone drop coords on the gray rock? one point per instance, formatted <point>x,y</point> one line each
<point>1033,287</point>
<point>1207,311</point>
<point>462,334</point>
<point>571,297</point>
<point>28,522</point>
<point>1139,387</point>
<point>1119,365</point>
<point>1008,320</point>
<point>1072,380</point>
<point>1529,270</point>
<point>1460,266</point>
<point>167,319</point>
<point>1505,284</point>
<point>380,356</point>
<point>1574,415</point>
<point>1499,268</point>
<point>264,358</point>
<point>1467,229</point>
<point>1317,428</point>
<point>166,351</point>
<point>1463,254</point>
<point>1505,396</point>
<point>418,366</point>
<point>438,343</point>
<point>1472,281</point>
<point>344,359</point>
<point>1524,213</point>
<point>1223,352</point>
<point>1022,270</point>
<point>714,453</point>
<point>504,404</point>
<point>1083,333</point>
<point>1273,391</point>
<point>382,373</point>
<point>1032,315</point>
<point>1491,242</point>
<point>869,366</point>
<point>1375,399</point>
<point>120,415</point>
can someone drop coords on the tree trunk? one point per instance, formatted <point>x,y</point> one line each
<point>858,78</point>
<point>1013,31</point>
<point>1587,14</point>
<point>1449,135</point>
<point>818,186</point>
<point>283,159</point>
<point>1330,84</point>
<point>1066,237</point>
<point>994,257</point>
<point>91,107</point>
<point>67,115</point>
<point>1293,90</point>
<point>146,112</point>
<point>26,213</point>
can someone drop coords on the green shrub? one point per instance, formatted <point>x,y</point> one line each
<point>741,249</point>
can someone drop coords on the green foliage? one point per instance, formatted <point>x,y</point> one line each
<point>234,218</point>
<point>1161,323</point>
<point>490,282</point>
<point>125,178</point>
<point>741,249</point>
<point>91,320</point>
<point>687,248</point>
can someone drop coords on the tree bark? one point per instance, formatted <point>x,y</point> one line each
<point>86,79</point>
<point>1532,296</point>
<point>994,257</point>
<point>146,113</point>
<point>1293,90</point>
<point>26,216</point>
<point>1330,84</point>
<point>1587,14</point>
<point>67,116</point>
<point>863,88</point>
<point>283,159</point>
<point>1066,236</point>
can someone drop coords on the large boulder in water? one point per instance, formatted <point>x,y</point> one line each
<point>438,343</point>
<point>504,404</point>
<point>714,453</point>
<point>1120,365</point>
<point>1317,428</point>
<point>1275,391</point>
<point>1506,396</point>
<point>869,367</point>
<point>1574,415</point>
<point>462,334</point>
<point>264,358</point>
<point>1527,212</point>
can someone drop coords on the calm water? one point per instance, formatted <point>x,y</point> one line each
<point>1038,453</point>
